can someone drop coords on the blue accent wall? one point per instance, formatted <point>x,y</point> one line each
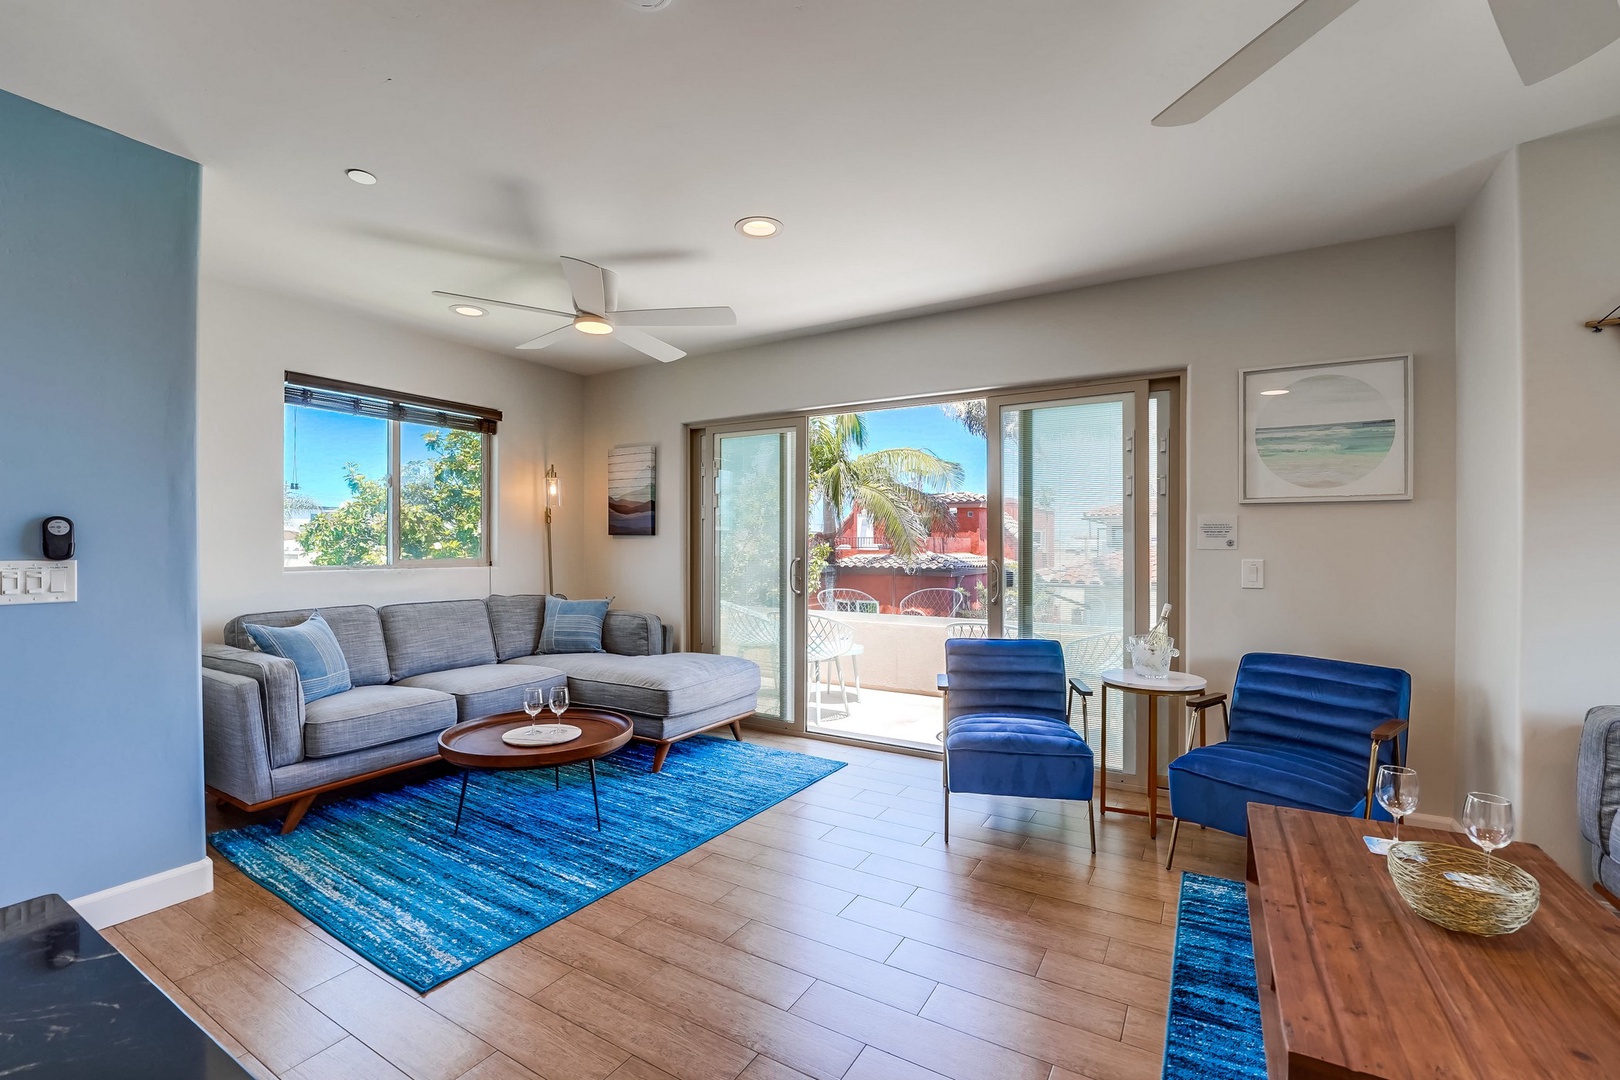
<point>100,701</point>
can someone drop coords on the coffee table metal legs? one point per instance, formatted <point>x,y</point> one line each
<point>556,775</point>
<point>594,800</point>
<point>461,801</point>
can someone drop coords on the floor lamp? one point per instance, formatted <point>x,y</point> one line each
<point>553,500</point>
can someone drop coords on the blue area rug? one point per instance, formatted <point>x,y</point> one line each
<point>382,873</point>
<point>1214,1027</point>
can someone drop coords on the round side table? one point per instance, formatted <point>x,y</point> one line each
<point>1177,684</point>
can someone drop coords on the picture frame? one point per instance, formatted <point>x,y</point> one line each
<point>1328,431</point>
<point>632,490</point>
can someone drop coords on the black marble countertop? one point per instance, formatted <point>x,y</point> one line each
<point>72,1008</point>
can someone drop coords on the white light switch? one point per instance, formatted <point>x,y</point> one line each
<point>33,582</point>
<point>1254,573</point>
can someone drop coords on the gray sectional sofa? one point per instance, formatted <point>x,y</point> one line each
<point>419,668</point>
<point>1597,792</point>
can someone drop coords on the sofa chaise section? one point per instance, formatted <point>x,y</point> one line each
<point>670,697</point>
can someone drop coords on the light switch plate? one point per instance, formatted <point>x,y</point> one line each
<point>36,582</point>
<point>1254,573</point>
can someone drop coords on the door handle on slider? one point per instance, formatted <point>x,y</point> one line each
<point>795,569</point>
<point>994,579</point>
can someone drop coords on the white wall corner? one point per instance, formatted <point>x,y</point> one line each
<point>133,899</point>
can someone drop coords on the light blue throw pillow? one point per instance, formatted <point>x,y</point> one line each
<point>573,625</point>
<point>313,649</point>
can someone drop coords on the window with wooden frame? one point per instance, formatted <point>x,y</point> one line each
<point>378,478</point>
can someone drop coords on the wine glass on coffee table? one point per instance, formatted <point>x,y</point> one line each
<point>534,701</point>
<point>558,703</point>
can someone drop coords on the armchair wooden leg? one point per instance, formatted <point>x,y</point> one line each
<point>1091,822</point>
<point>1175,827</point>
<point>945,782</point>
<point>295,814</point>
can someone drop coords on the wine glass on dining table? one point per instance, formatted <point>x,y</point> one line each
<point>1397,793</point>
<point>1489,821</point>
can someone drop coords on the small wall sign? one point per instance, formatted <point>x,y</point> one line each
<point>1218,531</point>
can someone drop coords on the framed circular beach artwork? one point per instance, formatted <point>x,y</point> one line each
<point>1333,432</point>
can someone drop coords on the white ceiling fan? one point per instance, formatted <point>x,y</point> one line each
<point>1542,36</point>
<point>596,301</point>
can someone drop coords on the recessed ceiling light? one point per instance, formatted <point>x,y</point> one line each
<point>590,324</point>
<point>1272,393</point>
<point>648,5</point>
<point>759,228</point>
<point>360,176</point>
<point>468,310</point>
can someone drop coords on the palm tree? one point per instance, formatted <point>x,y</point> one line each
<point>890,486</point>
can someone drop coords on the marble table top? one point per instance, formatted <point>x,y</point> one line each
<point>1176,682</point>
<point>71,1006</point>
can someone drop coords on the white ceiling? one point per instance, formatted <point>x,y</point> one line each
<point>923,154</point>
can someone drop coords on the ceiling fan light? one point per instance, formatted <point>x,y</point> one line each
<point>591,324</point>
<point>759,228</point>
<point>468,310</point>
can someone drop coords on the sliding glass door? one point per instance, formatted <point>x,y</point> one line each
<point>752,513</point>
<point>840,551</point>
<point>1080,488</point>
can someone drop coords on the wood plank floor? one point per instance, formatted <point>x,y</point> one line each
<point>834,936</point>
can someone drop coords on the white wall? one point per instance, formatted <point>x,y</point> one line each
<point>247,340</point>
<point>1490,488</point>
<point>1570,207</point>
<point>1374,582</point>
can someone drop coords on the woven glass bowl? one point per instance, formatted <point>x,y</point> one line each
<point>1454,887</point>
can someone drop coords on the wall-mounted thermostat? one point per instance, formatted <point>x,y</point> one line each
<point>39,582</point>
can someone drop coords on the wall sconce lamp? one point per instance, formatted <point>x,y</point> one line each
<point>1597,325</point>
<point>553,500</point>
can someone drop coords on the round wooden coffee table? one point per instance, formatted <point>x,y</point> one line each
<point>477,745</point>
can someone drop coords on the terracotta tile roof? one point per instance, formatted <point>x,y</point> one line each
<point>925,562</point>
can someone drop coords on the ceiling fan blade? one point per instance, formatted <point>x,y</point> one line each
<point>610,290</point>
<point>589,283</point>
<point>676,316</point>
<point>549,339</point>
<point>644,342</point>
<point>1252,61</point>
<point>1545,37</point>
<point>502,303</point>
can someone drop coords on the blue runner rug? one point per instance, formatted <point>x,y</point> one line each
<point>1214,1027</point>
<point>382,872</point>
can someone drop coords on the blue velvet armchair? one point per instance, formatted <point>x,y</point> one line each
<point>1303,732</point>
<point>1007,707</point>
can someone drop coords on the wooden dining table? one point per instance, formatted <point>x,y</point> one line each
<point>1355,984</point>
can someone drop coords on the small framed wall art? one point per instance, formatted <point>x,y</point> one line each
<point>1339,431</point>
<point>632,491</point>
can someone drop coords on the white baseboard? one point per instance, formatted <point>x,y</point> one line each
<point>133,899</point>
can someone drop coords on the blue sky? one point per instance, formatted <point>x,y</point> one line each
<point>325,442</point>
<point>927,427</point>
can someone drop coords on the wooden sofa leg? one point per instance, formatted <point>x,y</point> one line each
<point>295,814</point>
<point>658,758</point>
<point>736,729</point>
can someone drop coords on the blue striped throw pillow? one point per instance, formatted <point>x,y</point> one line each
<point>313,649</point>
<point>573,625</point>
